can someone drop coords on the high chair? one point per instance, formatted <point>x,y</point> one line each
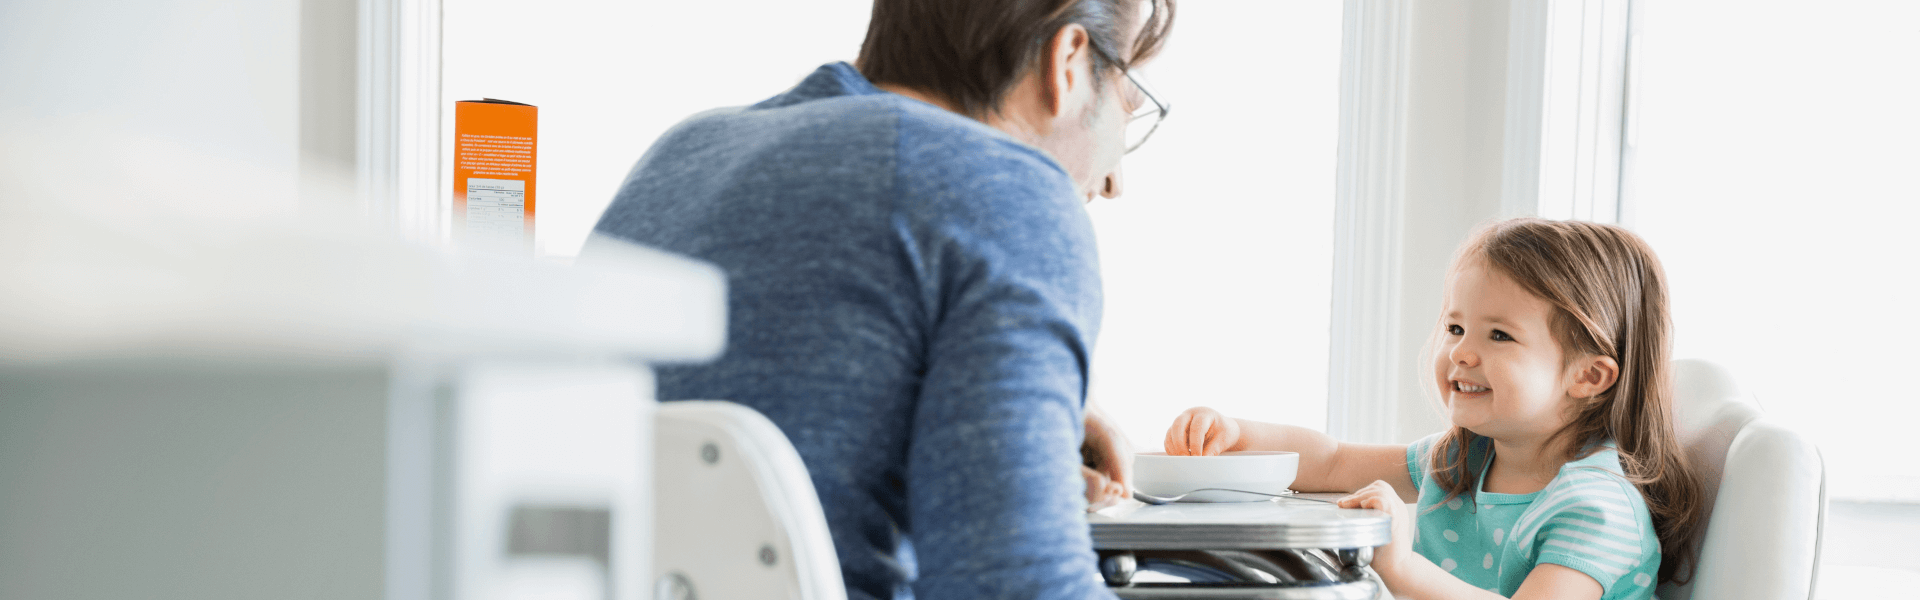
<point>1765,492</point>
<point>735,512</point>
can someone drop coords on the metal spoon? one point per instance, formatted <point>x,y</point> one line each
<point>1158,500</point>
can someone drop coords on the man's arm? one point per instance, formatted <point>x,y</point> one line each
<point>1108,456</point>
<point>994,477</point>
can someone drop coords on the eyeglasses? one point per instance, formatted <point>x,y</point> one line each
<point>1147,104</point>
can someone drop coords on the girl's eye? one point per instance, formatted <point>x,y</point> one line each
<point>1501,336</point>
<point>1456,330</point>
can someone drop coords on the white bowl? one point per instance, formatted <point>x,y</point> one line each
<point>1157,474</point>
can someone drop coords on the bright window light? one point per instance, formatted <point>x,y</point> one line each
<point>609,77</point>
<point>1217,261</point>
<point>1773,170</point>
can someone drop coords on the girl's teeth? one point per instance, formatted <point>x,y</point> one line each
<point>1468,388</point>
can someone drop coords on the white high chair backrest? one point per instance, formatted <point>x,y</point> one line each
<point>1765,488</point>
<point>735,513</point>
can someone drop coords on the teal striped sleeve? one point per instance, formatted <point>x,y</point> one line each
<point>1415,452</point>
<point>1592,523</point>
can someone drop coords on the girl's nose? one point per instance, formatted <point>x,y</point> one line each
<point>1464,356</point>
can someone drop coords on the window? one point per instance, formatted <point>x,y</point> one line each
<point>609,77</point>
<point>1772,166</point>
<point>1217,262</point>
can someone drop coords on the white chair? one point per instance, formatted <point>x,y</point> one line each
<point>735,513</point>
<point>1765,487</point>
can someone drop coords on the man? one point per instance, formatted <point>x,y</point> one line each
<point>913,287</point>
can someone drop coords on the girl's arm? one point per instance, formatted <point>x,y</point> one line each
<point>1326,464</point>
<point>1411,576</point>
<point>1420,579</point>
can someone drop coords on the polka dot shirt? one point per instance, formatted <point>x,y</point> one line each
<point>1588,518</point>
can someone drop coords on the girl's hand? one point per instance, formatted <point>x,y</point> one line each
<point>1380,496</point>
<point>1202,431</point>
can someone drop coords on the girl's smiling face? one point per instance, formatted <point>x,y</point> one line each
<point>1499,370</point>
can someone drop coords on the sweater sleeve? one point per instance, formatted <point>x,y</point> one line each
<point>1008,270</point>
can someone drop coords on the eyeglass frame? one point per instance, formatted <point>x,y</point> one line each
<point>1160,108</point>
<point>1159,112</point>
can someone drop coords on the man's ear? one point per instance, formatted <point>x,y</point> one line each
<point>1067,66</point>
<point>1593,375</point>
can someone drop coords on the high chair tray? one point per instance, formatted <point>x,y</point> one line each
<point>1277,523</point>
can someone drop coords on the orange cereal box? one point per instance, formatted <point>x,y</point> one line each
<point>494,150</point>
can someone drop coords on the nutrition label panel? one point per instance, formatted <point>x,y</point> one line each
<point>497,208</point>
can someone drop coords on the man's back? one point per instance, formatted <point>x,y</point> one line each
<point>913,299</point>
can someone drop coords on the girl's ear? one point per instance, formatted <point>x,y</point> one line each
<point>1592,376</point>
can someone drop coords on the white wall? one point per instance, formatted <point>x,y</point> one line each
<point>217,78</point>
<point>1453,171</point>
<point>1423,120</point>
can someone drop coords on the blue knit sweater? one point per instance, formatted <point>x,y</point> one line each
<point>913,299</point>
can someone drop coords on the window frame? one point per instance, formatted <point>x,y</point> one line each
<point>398,118</point>
<point>1427,153</point>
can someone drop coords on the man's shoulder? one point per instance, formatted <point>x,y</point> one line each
<point>950,166</point>
<point>958,146</point>
<point>859,153</point>
<point>816,123</point>
<point>927,146</point>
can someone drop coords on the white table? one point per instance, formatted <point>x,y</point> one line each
<point>1290,548</point>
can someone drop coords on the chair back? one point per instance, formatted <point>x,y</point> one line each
<point>1765,490</point>
<point>735,512</point>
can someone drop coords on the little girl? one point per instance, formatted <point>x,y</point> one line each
<point>1560,476</point>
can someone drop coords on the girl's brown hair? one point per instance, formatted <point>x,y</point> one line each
<point>1610,299</point>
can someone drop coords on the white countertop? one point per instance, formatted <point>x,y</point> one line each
<point>87,285</point>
